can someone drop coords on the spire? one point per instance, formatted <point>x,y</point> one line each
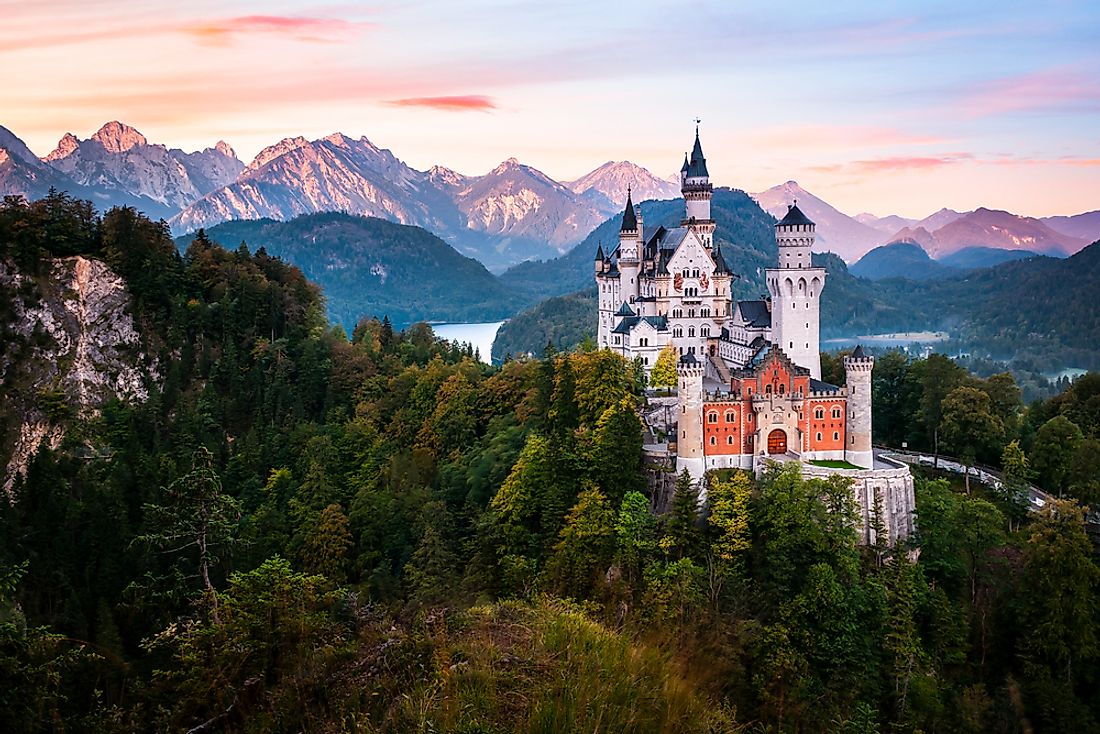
<point>684,168</point>
<point>630,219</point>
<point>599,253</point>
<point>697,166</point>
<point>794,216</point>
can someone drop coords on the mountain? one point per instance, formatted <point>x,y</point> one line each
<point>526,210</point>
<point>1001,230</point>
<point>888,224</point>
<point>1083,226</point>
<point>939,219</point>
<point>119,160</point>
<point>373,267</point>
<point>976,258</point>
<point>511,214</point>
<point>916,235</point>
<point>899,260</point>
<point>608,184</point>
<point>836,232</point>
<point>23,174</point>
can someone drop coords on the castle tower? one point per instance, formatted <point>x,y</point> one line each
<point>689,438</point>
<point>795,287</point>
<point>857,445</point>
<point>630,252</point>
<point>605,303</point>
<point>697,191</point>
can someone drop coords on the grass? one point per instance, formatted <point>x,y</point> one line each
<point>834,464</point>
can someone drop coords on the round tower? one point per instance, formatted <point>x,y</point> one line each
<point>857,375</point>
<point>630,251</point>
<point>697,191</point>
<point>689,437</point>
<point>795,287</point>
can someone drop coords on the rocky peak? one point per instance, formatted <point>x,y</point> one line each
<point>65,147</point>
<point>4,157</point>
<point>225,149</point>
<point>117,137</point>
<point>272,152</point>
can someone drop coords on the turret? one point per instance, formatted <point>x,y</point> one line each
<point>697,192</point>
<point>795,287</point>
<point>857,375</point>
<point>689,436</point>
<point>630,250</point>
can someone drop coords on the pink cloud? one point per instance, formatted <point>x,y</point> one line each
<point>1054,89</point>
<point>316,30</point>
<point>895,163</point>
<point>457,103</point>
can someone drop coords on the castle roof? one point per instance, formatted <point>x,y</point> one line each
<point>697,165</point>
<point>858,352</point>
<point>660,323</point>
<point>764,353</point>
<point>673,238</point>
<point>755,313</point>
<point>599,252</point>
<point>684,168</point>
<point>630,219</point>
<point>688,359</point>
<point>625,310</point>
<point>719,261</point>
<point>794,216</point>
<point>819,386</point>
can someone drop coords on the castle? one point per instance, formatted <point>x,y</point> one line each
<point>749,372</point>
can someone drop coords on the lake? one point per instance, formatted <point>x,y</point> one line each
<point>479,335</point>
<point>899,339</point>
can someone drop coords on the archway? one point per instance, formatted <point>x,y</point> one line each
<point>777,441</point>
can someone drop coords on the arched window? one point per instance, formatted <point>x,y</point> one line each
<point>782,389</point>
<point>819,435</point>
<point>836,435</point>
<point>712,417</point>
<point>704,331</point>
<point>691,331</point>
<point>730,416</point>
<point>836,412</point>
<point>729,440</point>
<point>677,332</point>
<point>713,440</point>
<point>767,389</point>
<point>677,313</point>
<point>819,413</point>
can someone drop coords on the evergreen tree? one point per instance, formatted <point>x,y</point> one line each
<point>585,545</point>
<point>681,537</point>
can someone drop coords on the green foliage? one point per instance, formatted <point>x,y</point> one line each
<point>664,369</point>
<point>1052,454</point>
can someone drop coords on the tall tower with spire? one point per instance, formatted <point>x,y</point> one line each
<point>630,251</point>
<point>697,191</point>
<point>795,287</point>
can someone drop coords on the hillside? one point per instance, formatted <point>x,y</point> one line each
<point>372,267</point>
<point>1001,230</point>
<point>974,258</point>
<point>899,260</point>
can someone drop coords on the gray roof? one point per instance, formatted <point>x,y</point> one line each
<point>697,166</point>
<point>630,219</point>
<point>794,216</point>
<point>688,358</point>
<point>858,352</point>
<point>625,310</point>
<point>755,313</point>
<point>599,252</point>
<point>660,323</point>
<point>819,386</point>
<point>673,238</point>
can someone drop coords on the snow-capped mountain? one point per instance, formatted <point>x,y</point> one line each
<point>119,158</point>
<point>836,231</point>
<point>607,185</point>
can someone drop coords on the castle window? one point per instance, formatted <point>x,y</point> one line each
<point>819,435</point>
<point>767,389</point>
<point>819,413</point>
<point>713,441</point>
<point>730,416</point>
<point>704,331</point>
<point>836,436</point>
<point>729,440</point>
<point>691,331</point>
<point>782,389</point>
<point>712,417</point>
<point>836,412</point>
<point>677,332</point>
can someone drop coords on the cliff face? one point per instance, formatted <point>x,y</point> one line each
<point>71,345</point>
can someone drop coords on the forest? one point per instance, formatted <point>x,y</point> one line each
<point>302,530</point>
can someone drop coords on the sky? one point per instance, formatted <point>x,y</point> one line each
<point>882,107</point>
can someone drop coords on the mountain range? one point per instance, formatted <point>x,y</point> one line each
<point>511,214</point>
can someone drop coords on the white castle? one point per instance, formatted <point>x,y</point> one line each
<point>749,372</point>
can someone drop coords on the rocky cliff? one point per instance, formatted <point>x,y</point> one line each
<point>70,345</point>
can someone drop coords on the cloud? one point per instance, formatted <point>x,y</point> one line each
<point>816,137</point>
<point>895,163</point>
<point>299,28</point>
<point>1058,89</point>
<point>456,103</point>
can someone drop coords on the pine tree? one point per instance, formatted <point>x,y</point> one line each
<point>681,538</point>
